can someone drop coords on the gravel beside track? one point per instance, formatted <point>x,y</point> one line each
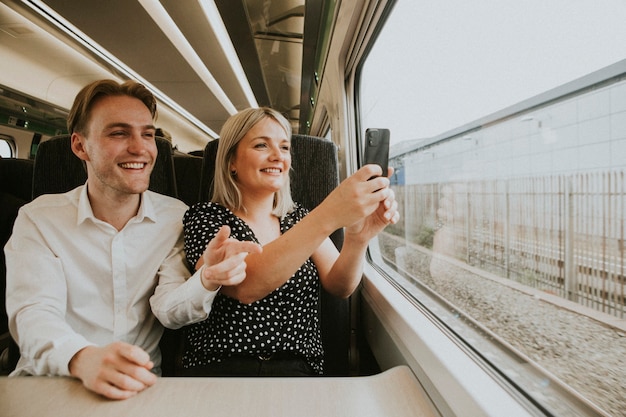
<point>583,352</point>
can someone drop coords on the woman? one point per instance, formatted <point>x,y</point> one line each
<point>268,324</point>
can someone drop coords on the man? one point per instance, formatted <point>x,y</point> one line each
<point>82,266</point>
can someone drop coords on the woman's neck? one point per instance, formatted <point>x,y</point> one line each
<point>258,216</point>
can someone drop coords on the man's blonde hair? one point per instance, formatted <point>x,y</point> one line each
<point>80,113</point>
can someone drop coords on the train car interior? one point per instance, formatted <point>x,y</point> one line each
<point>476,187</point>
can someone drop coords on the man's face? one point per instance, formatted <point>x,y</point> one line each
<point>119,146</point>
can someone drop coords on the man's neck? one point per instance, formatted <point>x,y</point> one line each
<point>115,209</point>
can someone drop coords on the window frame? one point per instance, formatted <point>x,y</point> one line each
<point>400,331</point>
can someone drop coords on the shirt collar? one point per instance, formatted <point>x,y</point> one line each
<point>146,208</point>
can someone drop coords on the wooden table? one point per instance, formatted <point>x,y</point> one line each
<point>394,393</point>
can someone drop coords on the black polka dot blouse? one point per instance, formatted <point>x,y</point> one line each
<point>287,320</point>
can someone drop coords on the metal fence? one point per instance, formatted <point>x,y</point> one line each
<point>562,234</point>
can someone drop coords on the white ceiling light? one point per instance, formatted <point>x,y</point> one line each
<point>216,23</point>
<point>158,13</point>
<point>39,7</point>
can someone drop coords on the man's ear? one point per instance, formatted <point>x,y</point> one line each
<point>79,146</point>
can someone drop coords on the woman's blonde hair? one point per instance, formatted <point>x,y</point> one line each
<point>225,189</point>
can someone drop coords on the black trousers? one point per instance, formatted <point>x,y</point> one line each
<point>240,366</point>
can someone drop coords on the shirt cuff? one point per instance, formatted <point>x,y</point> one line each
<point>61,356</point>
<point>198,294</point>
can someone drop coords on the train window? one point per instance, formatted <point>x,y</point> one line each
<point>7,147</point>
<point>508,132</point>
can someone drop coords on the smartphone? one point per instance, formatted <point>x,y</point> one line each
<point>377,148</point>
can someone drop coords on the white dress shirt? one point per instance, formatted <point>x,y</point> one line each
<point>75,281</point>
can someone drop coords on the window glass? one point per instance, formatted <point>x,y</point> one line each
<point>508,132</point>
<point>6,150</point>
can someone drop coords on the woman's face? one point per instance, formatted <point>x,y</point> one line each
<point>262,159</point>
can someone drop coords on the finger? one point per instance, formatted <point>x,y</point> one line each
<point>134,377</point>
<point>379,189</point>
<point>135,355</point>
<point>233,279</point>
<point>136,368</point>
<point>215,250</point>
<point>377,170</point>
<point>228,278</point>
<point>392,212</point>
<point>122,378</point>
<point>221,236</point>
<point>233,264</point>
<point>368,171</point>
<point>112,392</point>
<point>391,198</point>
<point>231,271</point>
<point>378,183</point>
<point>126,379</point>
<point>125,382</point>
<point>240,246</point>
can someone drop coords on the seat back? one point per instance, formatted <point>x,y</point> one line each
<point>188,172</point>
<point>163,176</point>
<point>57,169</point>
<point>315,173</point>
<point>208,170</point>
<point>16,177</point>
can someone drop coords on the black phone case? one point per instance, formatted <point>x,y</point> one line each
<point>377,148</point>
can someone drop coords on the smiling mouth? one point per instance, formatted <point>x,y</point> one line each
<point>272,170</point>
<point>133,165</point>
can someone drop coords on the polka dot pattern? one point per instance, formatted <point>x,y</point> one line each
<point>287,320</point>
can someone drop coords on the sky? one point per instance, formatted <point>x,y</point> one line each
<point>441,64</point>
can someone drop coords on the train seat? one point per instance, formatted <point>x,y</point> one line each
<point>315,173</point>
<point>16,177</point>
<point>57,169</point>
<point>15,190</point>
<point>188,170</point>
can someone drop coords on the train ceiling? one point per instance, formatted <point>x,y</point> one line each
<point>183,49</point>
